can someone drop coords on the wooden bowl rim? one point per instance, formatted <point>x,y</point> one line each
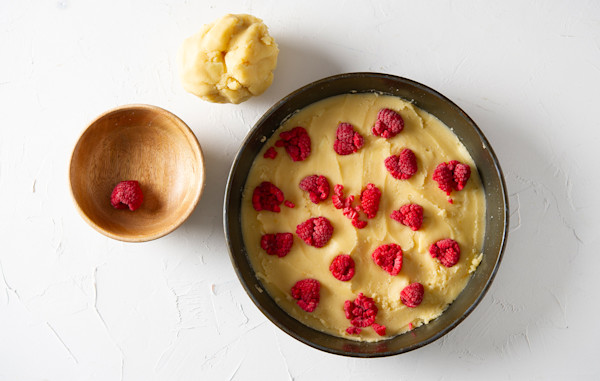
<point>191,138</point>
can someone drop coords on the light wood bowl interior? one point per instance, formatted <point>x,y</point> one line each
<point>143,143</point>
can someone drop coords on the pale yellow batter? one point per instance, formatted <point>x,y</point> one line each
<point>229,60</point>
<point>433,143</point>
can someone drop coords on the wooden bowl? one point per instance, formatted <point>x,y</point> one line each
<point>143,143</point>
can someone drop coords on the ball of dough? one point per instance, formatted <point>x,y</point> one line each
<point>229,60</point>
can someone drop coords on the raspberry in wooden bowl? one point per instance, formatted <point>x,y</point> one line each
<point>383,170</point>
<point>136,173</point>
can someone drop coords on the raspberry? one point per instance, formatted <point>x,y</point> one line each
<point>359,224</point>
<point>352,330</point>
<point>379,329</point>
<point>389,258</point>
<point>369,200</point>
<point>347,140</point>
<point>270,153</point>
<point>316,186</point>
<point>296,143</point>
<point>306,292</point>
<point>412,295</point>
<point>278,244</point>
<point>337,202</point>
<point>348,202</point>
<point>444,177</point>
<point>338,190</point>
<point>315,231</point>
<point>350,212</point>
<point>462,172</point>
<point>389,123</point>
<point>342,267</point>
<point>338,199</point>
<point>289,204</point>
<point>267,196</point>
<point>127,194</point>
<point>361,312</point>
<point>446,251</point>
<point>410,215</point>
<point>451,175</point>
<point>338,196</point>
<point>402,166</point>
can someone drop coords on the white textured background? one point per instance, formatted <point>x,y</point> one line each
<point>75,305</point>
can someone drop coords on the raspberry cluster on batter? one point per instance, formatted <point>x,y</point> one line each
<point>452,175</point>
<point>347,140</point>
<point>318,230</point>
<point>362,312</point>
<point>369,204</point>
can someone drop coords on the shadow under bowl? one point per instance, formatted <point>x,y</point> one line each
<point>143,143</point>
<point>496,215</point>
